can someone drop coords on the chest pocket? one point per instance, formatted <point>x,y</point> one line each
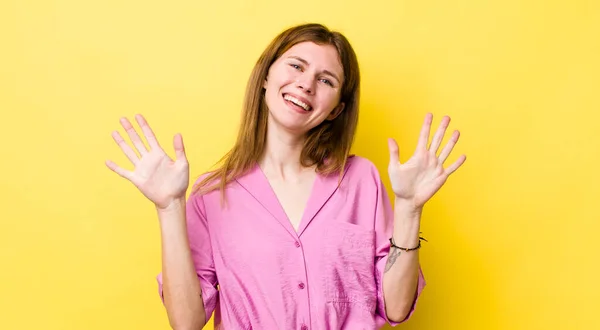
<point>349,266</point>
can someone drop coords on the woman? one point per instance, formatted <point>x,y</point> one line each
<point>291,231</point>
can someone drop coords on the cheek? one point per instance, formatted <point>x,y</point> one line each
<point>274,83</point>
<point>272,94</point>
<point>329,100</point>
<point>280,74</point>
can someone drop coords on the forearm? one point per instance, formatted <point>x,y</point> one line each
<point>400,278</point>
<point>181,288</point>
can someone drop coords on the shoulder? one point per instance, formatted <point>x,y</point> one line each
<point>199,182</point>
<point>199,188</point>
<point>361,168</point>
<point>362,179</point>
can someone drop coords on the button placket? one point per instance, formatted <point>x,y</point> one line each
<point>302,283</point>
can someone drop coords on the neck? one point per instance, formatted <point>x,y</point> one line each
<point>281,158</point>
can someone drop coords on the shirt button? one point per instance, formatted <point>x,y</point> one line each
<point>301,285</point>
<point>297,244</point>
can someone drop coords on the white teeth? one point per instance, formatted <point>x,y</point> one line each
<point>297,102</point>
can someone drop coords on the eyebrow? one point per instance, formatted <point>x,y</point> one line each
<point>324,71</point>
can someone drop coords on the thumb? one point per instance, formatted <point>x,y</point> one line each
<point>394,155</point>
<point>179,147</point>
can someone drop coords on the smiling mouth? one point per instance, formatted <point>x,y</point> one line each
<point>296,102</point>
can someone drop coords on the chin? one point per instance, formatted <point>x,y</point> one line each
<point>288,123</point>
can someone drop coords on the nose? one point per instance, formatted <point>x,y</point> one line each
<point>305,83</point>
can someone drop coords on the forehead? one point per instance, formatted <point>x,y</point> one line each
<point>323,57</point>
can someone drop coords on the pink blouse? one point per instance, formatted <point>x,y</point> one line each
<point>257,272</point>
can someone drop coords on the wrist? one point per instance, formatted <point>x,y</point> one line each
<point>175,206</point>
<point>407,210</point>
<point>407,223</point>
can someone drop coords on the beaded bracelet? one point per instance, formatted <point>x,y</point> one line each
<point>407,249</point>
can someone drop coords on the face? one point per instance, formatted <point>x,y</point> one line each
<point>303,87</point>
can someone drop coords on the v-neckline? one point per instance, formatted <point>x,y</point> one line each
<point>280,204</point>
<point>258,185</point>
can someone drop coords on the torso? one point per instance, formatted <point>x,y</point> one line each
<point>258,272</point>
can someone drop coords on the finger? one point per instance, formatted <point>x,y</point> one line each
<point>133,157</point>
<point>455,165</point>
<point>449,146</point>
<point>179,147</point>
<point>148,133</point>
<point>115,168</point>
<point>394,154</point>
<point>424,136</point>
<point>133,135</point>
<point>439,136</point>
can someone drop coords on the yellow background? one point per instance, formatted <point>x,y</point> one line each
<point>513,236</point>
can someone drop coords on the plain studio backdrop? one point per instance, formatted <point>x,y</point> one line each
<point>513,235</point>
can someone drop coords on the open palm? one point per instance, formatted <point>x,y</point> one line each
<point>419,178</point>
<point>161,179</point>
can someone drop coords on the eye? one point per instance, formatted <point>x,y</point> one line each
<point>295,66</point>
<point>327,81</point>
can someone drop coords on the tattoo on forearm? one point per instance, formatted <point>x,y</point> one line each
<point>394,254</point>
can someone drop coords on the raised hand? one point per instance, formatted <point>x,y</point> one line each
<point>161,179</point>
<point>419,178</point>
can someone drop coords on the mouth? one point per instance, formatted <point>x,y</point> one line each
<point>297,102</point>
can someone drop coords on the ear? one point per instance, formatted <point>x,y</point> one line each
<point>336,111</point>
<point>265,83</point>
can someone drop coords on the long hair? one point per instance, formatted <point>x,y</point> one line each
<point>327,145</point>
